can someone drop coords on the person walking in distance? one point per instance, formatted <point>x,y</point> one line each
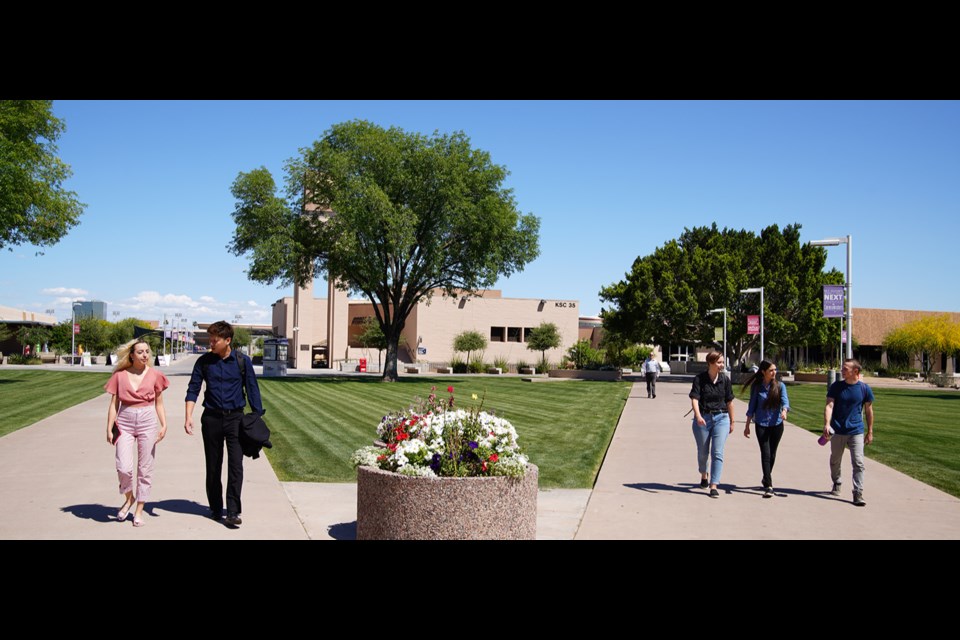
<point>651,369</point>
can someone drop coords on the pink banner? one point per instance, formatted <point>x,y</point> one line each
<point>753,325</point>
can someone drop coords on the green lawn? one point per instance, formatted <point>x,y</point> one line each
<point>29,396</point>
<point>915,432</point>
<point>317,423</point>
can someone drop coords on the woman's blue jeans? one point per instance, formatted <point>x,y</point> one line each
<point>710,441</point>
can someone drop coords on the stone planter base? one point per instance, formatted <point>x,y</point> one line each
<point>391,506</point>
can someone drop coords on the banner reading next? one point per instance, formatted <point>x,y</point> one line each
<point>833,301</point>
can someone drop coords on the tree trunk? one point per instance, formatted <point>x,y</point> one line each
<point>390,366</point>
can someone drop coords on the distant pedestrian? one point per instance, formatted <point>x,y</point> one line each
<point>848,402</point>
<point>651,369</point>
<point>136,423</point>
<point>768,407</point>
<point>712,401</point>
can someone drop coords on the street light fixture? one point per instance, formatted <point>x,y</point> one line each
<point>724,310</point>
<point>760,291</point>
<point>73,332</point>
<point>833,242</point>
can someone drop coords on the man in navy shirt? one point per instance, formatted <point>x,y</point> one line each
<point>848,401</point>
<point>223,404</point>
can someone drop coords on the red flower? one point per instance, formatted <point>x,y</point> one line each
<point>392,446</point>
<point>450,389</point>
<point>484,466</point>
<point>381,458</point>
<point>403,436</point>
<point>494,458</point>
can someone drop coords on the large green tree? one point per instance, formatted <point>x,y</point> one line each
<point>34,206</point>
<point>469,341</point>
<point>665,298</point>
<point>387,213</point>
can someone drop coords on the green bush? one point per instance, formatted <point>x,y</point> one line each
<point>522,364</point>
<point>477,365</point>
<point>942,379</point>
<point>17,358</point>
<point>502,364</point>
<point>544,365</point>
<point>458,365</point>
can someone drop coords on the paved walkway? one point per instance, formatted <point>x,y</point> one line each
<point>57,481</point>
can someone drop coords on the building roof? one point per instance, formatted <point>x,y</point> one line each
<point>871,326</point>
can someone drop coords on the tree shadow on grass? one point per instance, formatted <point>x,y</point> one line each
<point>108,513</point>
<point>343,530</point>
<point>10,381</point>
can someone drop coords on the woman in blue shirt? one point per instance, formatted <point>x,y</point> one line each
<point>768,407</point>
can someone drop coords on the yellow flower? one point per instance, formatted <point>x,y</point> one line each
<point>474,396</point>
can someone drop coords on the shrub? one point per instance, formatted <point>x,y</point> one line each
<point>502,364</point>
<point>458,365</point>
<point>17,358</point>
<point>544,365</point>
<point>522,364</point>
<point>477,365</point>
<point>942,379</point>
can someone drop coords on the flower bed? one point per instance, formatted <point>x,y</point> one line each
<point>442,472</point>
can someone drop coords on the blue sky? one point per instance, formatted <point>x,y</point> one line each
<point>610,181</point>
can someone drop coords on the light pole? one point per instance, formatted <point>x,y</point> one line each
<point>724,310</point>
<point>73,332</point>
<point>833,242</point>
<point>760,291</point>
<point>174,347</point>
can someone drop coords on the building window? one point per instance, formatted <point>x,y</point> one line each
<point>679,352</point>
<point>514,334</point>
<point>526,333</point>
<point>496,334</point>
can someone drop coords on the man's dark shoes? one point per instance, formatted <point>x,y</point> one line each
<point>714,493</point>
<point>704,483</point>
<point>768,492</point>
<point>215,515</point>
<point>233,520</point>
<point>858,500</point>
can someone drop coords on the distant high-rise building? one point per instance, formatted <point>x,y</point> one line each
<point>92,309</point>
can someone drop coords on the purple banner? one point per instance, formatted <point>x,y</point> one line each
<point>833,301</point>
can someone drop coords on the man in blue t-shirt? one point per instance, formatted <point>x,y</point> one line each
<point>848,401</point>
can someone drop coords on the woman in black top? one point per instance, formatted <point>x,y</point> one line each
<point>712,401</point>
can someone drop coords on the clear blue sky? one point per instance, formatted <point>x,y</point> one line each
<point>609,180</point>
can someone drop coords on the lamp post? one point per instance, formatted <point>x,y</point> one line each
<point>73,332</point>
<point>833,242</point>
<point>724,310</point>
<point>760,291</point>
<point>176,333</point>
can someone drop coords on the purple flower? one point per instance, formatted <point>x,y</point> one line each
<point>472,444</point>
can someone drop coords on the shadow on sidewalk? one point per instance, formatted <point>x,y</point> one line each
<point>343,531</point>
<point>106,513</point>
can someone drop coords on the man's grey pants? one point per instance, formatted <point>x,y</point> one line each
<point>855,444</point>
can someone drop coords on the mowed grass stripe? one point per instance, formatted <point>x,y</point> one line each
<point>29,396</point>
<point>565,427</point>
<point>916,432</point>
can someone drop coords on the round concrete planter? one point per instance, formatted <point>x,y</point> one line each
<point>391,506</point>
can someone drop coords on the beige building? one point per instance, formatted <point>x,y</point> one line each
<point>325,330</point>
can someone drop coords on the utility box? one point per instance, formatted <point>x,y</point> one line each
<point>275,357</point>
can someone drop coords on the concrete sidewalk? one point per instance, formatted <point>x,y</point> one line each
<point>58,481</point>
<point>648,486</point>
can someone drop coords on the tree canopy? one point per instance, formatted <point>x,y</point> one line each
<point>665,298</point>
<point>469,341</point>
<point>34,206</point>
<point>546,336</point>
<point>390,214</point>
<point>934,335</point>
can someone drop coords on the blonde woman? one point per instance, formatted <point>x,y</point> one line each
<point>136,422</point>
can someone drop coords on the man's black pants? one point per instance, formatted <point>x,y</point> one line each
<point>217,428</point>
